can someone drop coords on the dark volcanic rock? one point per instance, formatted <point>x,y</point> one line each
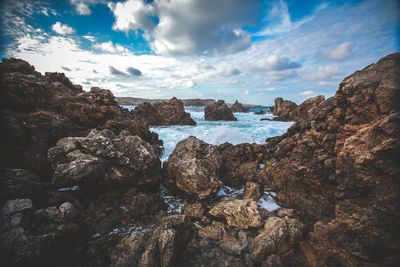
<point>339,169</point>
<point>169,112</point>
<point>238,107</point>
<point>193,167</point>
<point>43,237</point>
<point>218,112</point>
<point>103,158</point>
<point>38,110</point>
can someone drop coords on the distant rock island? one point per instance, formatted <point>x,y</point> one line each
<point>186,102</point>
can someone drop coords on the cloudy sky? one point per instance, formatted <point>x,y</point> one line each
<point>248,50</point>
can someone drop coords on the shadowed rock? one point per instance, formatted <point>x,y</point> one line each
<point>238,107</point>
<point>218,112</point>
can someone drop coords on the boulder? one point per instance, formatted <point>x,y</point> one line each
<point>238,107</point>
<point>286,110</point>
<point>218,112</point>
<point>103,158</point>
<point>170,112</point>
<point>160,246</point>
<point>241,213</point>
<point>276,234</point>
<point>283,108</point>
<point>193,167</point>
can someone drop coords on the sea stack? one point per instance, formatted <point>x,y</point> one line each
<point>218,112</point>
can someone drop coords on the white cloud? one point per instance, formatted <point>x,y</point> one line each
<point>340,52</point>
<point>90,38</point>
<point>205,27</point>
<point>246,92</point>
<point>275,63</point>
<point>82,7</point>
<point>62,29</point>
<point>231,71</point>
<point>110,47</point>
<point>326,72</point>
<point>309,92</point>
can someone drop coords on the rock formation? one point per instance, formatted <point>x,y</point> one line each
<point>38,110</point>
<point>286,110</point>
<point>339,169</point>
<point>193,167</point>
<point>164,113</point>
<point>218,112</point>
<point>238,107</point>
<point>134,101</point>
<point>103,158</point>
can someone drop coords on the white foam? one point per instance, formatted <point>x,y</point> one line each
<point>73,188</point>
<point>268,202</point>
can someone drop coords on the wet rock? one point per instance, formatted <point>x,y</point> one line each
<point>160,246</point>
<point>170,112</point>
<point>218,112</point>
<point>193,167</point>
<point>261,112</point>
<point>238,107</point>
<point>237,212</point>
<point>277,233</point>
<point>103,158</point>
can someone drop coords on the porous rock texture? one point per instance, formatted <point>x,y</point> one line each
<point>193,167</point>
<point>38,110</point>
<point>339,169</point>
<point>163,113</point>
<point>104,158</point>
<point>218,111</point>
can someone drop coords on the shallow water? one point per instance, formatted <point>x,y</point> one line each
<point>247,129</point>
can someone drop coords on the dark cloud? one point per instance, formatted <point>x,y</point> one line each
<point>65,68</point>
<point>134,72</point>
<point>116,72</point>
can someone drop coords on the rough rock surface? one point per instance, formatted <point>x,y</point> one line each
<point>170,112</point>
<point>218,112</point>
<point>241,213</point>
<point>339,169</point>
<point>238,107</point>
<point>277,233</point>
<point>38,110</point>
<point>193,167</point>
<point>286,110</point>
<point>159,246</point>
<point>103,158</point>
<point>32,237</point>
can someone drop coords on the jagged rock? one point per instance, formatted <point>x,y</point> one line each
<point>36,111</point>
<point>103,158</point>
<point>277,233</point>
<point>282,212</point>
<point>18,183</point>
<point>237,212</point>
<point>218,112</point>
<point>214,231</point>
<point>159,246</point>
<point>142,204</point>
<point>170,112</point>
<point>193,167</point>
<point>38,237</point>
<point>283,108</point>
<point>286,110</point>
<point>252,191</point>
<point>194,210</point>
<point>261,112</point>
<point>238,107</point>
<point>338,169</point>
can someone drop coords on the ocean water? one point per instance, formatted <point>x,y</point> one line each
<point>247,129</point>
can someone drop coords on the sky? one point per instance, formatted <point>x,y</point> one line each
<point>249,50</point>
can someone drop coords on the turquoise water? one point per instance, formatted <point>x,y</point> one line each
<point>248,129</point>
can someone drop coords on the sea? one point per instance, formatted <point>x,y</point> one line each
<point>247,129</point>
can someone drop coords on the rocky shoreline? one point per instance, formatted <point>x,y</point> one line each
<point>82,183</point>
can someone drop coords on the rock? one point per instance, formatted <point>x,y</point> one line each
<point>218,112</point>
<point>19,183</point>
<point>288,111</point>
<point>273,261</point>
<point>238,107</point>
<point>170,112</point>
<point>41,237</point>
<point>102,158</point>
<point>214,231</point>
<point>142,204</point>
<point>36,111</point>
<point>252,191</point>
<point>282,212</point>
<point>160,246</point>
<point>277,233</point>
<point>237,212</point>
<point>193,167</point>
<point>338,169</point>
<point>195,211</point>
<point>261,112</point>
